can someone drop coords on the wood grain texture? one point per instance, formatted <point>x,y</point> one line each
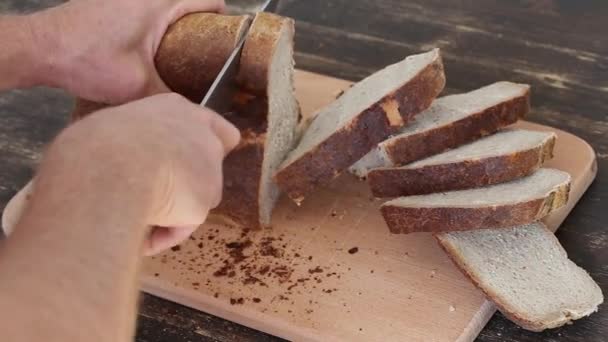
<point>337,274</point>
<point>560,46</point>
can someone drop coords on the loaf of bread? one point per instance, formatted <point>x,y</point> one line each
<point>499,158</point>
<point>509,204</point>
<point>526,272</point>
<point>266,111</point>
<point>450,122</point>
<point>364,115</point>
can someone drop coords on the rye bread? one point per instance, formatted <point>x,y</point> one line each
<point>507,155</point>
<point>364,115</point>
<point>509,204</point>
<point>451,121</point>
<point>526,272</point>
<point>267,113</point>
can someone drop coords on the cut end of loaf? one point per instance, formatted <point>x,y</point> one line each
<point>526,272</point>
<point>514,203</point>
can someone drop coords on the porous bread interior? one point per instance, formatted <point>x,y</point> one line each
<point>526,272</point>
<point>283,111</point>
<point>358,98</point>
<point>537,185</point>
<point>442,112</point>
<point>503,143</point>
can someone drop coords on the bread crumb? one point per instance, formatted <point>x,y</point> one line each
<point>452,308</point>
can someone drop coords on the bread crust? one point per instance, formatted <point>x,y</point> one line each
<point>407,149</point>
<point>194,50</point>
<point>518,318</point>
<point>405,220</point>
<point>475,173</point>
<point>258,51</point>
<point>242,171</point>
<point>344,147</point>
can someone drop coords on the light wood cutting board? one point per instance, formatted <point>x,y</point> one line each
<point>330,270</point>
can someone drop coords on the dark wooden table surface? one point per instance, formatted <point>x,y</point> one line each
<point>560,47</point>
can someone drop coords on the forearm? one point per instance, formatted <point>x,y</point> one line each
<point>23,61</point>
<point>69,273</point>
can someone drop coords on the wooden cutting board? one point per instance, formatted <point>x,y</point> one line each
<point>330,270</point>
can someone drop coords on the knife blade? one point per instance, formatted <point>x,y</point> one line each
<point>223,88</point>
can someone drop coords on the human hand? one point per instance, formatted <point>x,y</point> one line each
<point>163,151</point>
<point>103,50</point>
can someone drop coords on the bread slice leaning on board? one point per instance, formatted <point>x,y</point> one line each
<point>367,113</point>
<point>517,202</point>
<point>526,272</point>
<point>507,155</point>
<point>450,122</point>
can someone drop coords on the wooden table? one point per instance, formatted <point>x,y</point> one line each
<point>559,47</point>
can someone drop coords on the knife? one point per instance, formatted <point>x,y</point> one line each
<point>219,96</point>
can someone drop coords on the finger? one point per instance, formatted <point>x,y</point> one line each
<point>183,7</point>
<point>226,132</point>
<point>156,85</point>
<point>163,238</point>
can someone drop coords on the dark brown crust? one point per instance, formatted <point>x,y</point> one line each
<point>330,158</point>
<point>414,147</point>
<point>259,49</point>
<point>405,220</point>
<point>461,264</point>
<point>194,49</point>
<point>395,182</point>
<point>242,171</point>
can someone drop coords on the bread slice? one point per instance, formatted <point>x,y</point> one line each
<point>502,157</point>
<point>526,273</point>
<point>355,122</point>
<point>267,114</point>
<point>504,205</point>
<point>450,122</point>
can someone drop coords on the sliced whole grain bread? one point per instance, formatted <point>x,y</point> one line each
<point>498,158</point>
<point>509,204</point>
<point>526,272</point>
<point>450,122</point>
<point>267,114</point>
<point>354,123</point>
